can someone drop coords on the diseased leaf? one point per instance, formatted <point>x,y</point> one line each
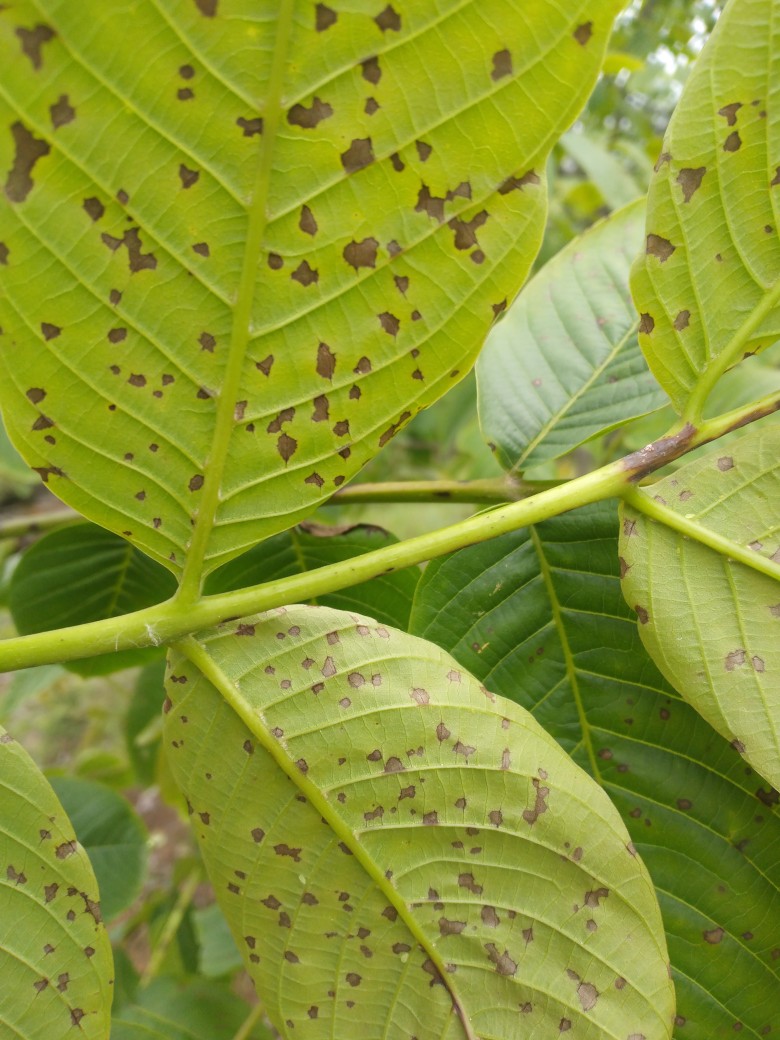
<point>113,836</point>
<point>230,280</point>
<point>388,598</point>
<point>711,623</point>
<point>565,363</point>
<point>55,957</point>
<point>83,573</point>
<point>424,860</point>
<point>708,286</point>
<point>539,617</point>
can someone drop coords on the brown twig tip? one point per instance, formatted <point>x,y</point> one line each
<point>659,453</point>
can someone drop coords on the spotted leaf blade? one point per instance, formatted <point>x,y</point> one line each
<point>712,624</point>
<point>55,957</point>
<point>398,851</point>
<point>230,280</point>
<point>708,284</point>
<point>538,616</point>
<point>565,364</point>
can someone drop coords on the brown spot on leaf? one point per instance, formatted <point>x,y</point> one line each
<point>361,254</point>
<point>196,482</point>
<point>519,183</point>
<point>305,274</point>
<point>389,323</point>
<point>326,361</point>
<point>371,70</point>
<point>324,17</point>
<point>137,259</point>
<point>307,223</point>
<point>28,149</point>
<point>187,176</point>
<point>359,155</point>
<point>682,321</point>
<point>646,324</point>
<point>61,112</point>
<point>588,995</point>
<point>735,659</point>
<point>583,33</point>
<point>32,41</point>
<point>311,117</point>
<point>466,230</point>
<point>502,65</point>
<point>50,331</point>
<point>503,962</point>
<point>388,19</point>
<point>467,881</point>
<point>286,446</point>
<point>690,181</point>
<point>250,127</point>
<point>659,247</point>
<point>450,927</point>
<point>733,142</point>
<point>392,430</point>
<point>394,765</point>
<point>202,249</point>
<point>540,803</point>
<point>642,614</point>
<point>729,112</point>
<point>713,936</point>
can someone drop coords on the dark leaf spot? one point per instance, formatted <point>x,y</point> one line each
<point>324,17</point>
<point>250,127</point>
<point>371,70</point>
<point>646,324</point>
<point>713,935</point>
<point>196,482</point>
<point>326,361</point>
<point>583,33</point>
<point>502,65</point>
<point>32,40</point>
<point>735,660</point>
<point>305,275</point>
<point>28,150</point>
<point>389,19</point>
<point>392,430</point>
<point>682,321</point>
<point>62,112</point>
<point>371,106</point>
<point>208,8</point>
<point>519,183</point>
<point>659,247</point>
<point>389,323</point>
<point>359,155</point>
<point>503,962</point>
<point>187,176</point>
<point>307,223</point>
<point>361,254</point>
<point>50,331</point>
<point>690,181</point>
<point>466,231</point>
<point>286,446</point>
<point>729,112</point>
<point>733,142</point>
<point>137,260</point>
<point>309,118</point>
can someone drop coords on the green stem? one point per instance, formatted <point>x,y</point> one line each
<point>171,926</point>
<point>173,619</point>
<point>497,489</point>
<point>692,528</point>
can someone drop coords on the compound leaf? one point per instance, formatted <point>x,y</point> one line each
<point>710,622</point>
<point>707,286</point>
<point>400,852</point>
<point>55,957</point>
<point>538,616</point>
<point>565,363</point>
<point>229,281</point>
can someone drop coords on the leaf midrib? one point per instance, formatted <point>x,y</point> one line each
<point>240,337</point>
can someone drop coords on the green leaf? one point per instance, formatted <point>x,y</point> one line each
<point>112,834</point>
<point>83,573</point>
<point>599,162</point>
<point>229,281</point>
<point>539,616</point>
<point>708,286</point>
<point>202,1010</point>
<point>218,954</point>
<point>565,364</point>
<point>55,957</point>
<point>388,598</point>
<point>707,594</point>
<point>424,858</point>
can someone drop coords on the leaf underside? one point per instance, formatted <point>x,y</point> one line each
<point>539,617</point>
<point>565,364</point>
<point>398,851</point>
<point>709,282</point>
<point>712,624</point>
<point>266,250</point>
<point>55,957</point>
